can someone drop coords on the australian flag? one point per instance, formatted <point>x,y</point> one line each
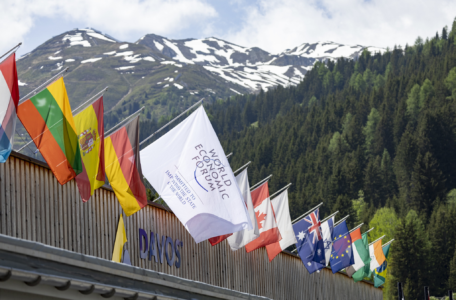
<point>316,242</point>
<point>342,253</point>
<point>308,235</point>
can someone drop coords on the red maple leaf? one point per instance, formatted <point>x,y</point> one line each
<point>260,219</point>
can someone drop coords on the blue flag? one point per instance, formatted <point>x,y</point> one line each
<point>342,253</point>
<point>316,244</point>
<point>302,229</point>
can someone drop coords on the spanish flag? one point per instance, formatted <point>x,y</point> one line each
<point>123,167</point>
<point>48,119</point>
<point>90,130</point>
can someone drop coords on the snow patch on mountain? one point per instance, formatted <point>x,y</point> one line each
<point>76,39</point>
<point>90,60</point>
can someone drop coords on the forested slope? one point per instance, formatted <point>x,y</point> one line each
<point>374,138</point>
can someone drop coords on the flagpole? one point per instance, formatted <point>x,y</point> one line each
<point>386,244</point>
<point>242,167</point>
<point>341,220</point>
<point>96,96</point>
<point>14,48</point>
<point>356,227</point>
<point>303,215</point>
<point>123,121</point>
<point>43,85</point>
<point>285,187</point>
<point>229,155</point>
<point>369,230</point>
<point>150,136</point>
<point>161,196</point>
<point>377,239</point>
<point>71,112</point>
<point>253,187</point>
<point>330,216</point>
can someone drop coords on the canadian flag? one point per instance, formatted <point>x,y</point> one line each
<point>9,98</point>
<point>267,225</point>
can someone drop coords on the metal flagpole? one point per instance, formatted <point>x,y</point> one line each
<point>386,244</point>
<point>377,239</point>
<point>43,85</point>
<point>161,196</point>
<point>242,167</point>
<point>303,215</point>
<point>450,295</point>
<point>253,187</point>
<point>341,220</point>
<point>71,112</point>
<point>330,216</point>
<point>11,50</point>
<point>123,121</point>
<point>229,155</point>
<point>369,230</point>
<point>150,136</point>
<point>285,187</point>
<point>96,96</point>
<point>356,227</point>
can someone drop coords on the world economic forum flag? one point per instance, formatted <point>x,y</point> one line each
<point>189,169</point>
<point>306,254</point>
<point>342,254</point>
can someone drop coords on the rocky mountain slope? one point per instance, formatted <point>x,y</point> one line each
<point>166,75</point>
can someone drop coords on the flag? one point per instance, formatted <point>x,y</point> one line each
<point>48,119</point>
<point>360,253</point>
<point>189,170</point>
<point>121,239</point>
<point>327,228</point>
<point>301,230</point>
<point>267,225</point>
<point>218,239</point>
<point>9,98</point>
<point>241,238</point>
<point>342,254</point>
<point>282,214</point>
<point>315,237</point>
<point>364,271</point>
<point>380,272</point>
<point>90,130</point>
<point>123,167</point>
<point>376,255</point>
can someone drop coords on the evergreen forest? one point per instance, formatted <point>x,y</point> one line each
<point>374,138</point>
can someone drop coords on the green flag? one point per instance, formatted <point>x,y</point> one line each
<point>380,272</point>
<point>364,271</point>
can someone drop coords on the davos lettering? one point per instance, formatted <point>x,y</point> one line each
<point>159,248</point>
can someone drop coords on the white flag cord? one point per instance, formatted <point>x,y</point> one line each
<point>11,50</point>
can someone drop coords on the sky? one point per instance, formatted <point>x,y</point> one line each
<point>273,25</point>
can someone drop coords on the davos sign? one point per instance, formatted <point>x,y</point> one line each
<point>159,248</point>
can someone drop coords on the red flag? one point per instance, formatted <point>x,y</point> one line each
<point>218,239</point>
<point>267,225</point>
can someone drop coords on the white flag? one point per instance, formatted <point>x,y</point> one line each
<point>241,238</point>
<point>190,171</point>
<point>282,215</point>
<point>327,230</point>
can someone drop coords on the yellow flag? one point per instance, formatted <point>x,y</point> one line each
<point>90,130</point>
<point>121,239</point>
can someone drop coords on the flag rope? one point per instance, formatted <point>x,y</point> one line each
<point>285,187</point>
<point>150,136</point>
<point>11,50</point>
<point>242,167</point>
<point>53,78</point>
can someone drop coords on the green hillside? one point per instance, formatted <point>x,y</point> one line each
<point>374,138</point>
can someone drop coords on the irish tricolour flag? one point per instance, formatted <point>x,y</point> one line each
<point>9,98</point>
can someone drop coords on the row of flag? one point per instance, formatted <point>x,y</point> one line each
<point>187,167</point>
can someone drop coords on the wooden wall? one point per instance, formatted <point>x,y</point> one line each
<point>34,206</point>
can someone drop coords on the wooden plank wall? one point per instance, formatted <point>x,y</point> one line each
<point>34,206</point>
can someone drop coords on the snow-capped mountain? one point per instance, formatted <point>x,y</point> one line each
<point>252,68</point>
